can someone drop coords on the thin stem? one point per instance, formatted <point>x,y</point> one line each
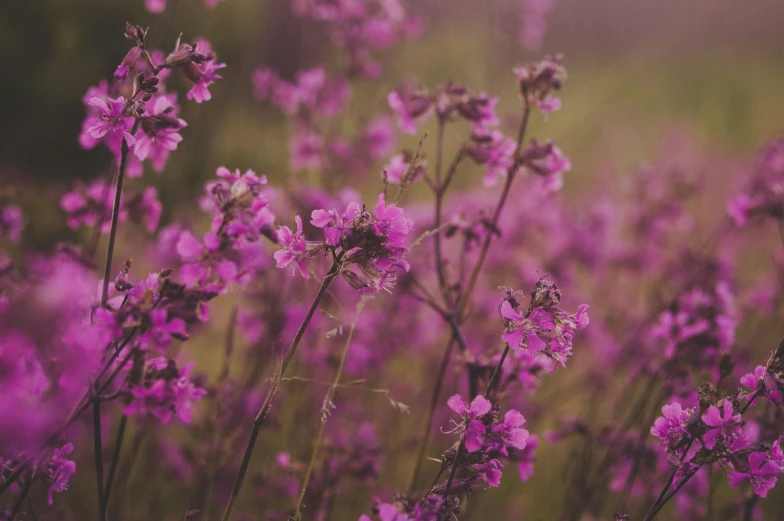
<point>98,446</point>
<point>428,424</point>
<point>511,174</point>
<point>13,477</point>
<point>137,372</point>
<point>439,259</point>
<point>496,372</point>
<point>267,405</point>
<point>107,270</point>
<point>656,504</point>
<point>669,496</point>
<point>22,496</point>
<point>327,403</point>
<point>115,457</point>
<point>96,235</point>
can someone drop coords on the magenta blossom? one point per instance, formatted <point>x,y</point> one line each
<point>761,474</point>
<point>671,428</point>
<point>473,428</point>
<point>59,470</point>
<point>293,248</point>
<point>113,119</point>
<point>722,425</point>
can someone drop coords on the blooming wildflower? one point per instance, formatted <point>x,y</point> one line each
<point>159,131</point>
<point>293,248</point>
<point>59,470</point>
<point>490,472</point>
<point>510,432</point>
<point>548,161</point>
<point>168,392</point>
<point>113,119</point>
<point>761,474</point>
<point>762,378</point>
<point>206,76</point>
<point>672,427</point>
<point>724,424</point>
<point>474,429</point>
<point>548,330</point>
<point>411,105</point>
<point>494,150</point>
<point>396,168</point>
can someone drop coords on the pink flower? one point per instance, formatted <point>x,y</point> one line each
<point>671,428</point>
<point>293,248</point>
<point>391,224</point>
<point>474,429</point>
<point>411,105</point>
<point>159,132</point>
<point>396,168</point>
<point>479,406</point>
<point>726,425</point>
<point>761,474</point>
<point>205,76</point>
<point>113,121</point>
<point>510,432</point>
<point>59,470</point>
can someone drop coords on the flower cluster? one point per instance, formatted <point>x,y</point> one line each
<point>374,243</point>
<point>543,328</point>
<point>91,206</point>
<point>166,391</point>
<point>229,251</point>
<point>763,195</point>
<point>135,109</point>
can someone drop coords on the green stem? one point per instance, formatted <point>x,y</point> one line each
<point>325,417</point>
<point>267,405</point>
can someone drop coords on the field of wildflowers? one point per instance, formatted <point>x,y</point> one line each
<point>385,260</point>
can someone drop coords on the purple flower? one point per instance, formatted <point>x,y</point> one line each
<point>204,75</point>
<point>159,132</point>
<point>761,474</point>
<point>725,425</point>
<point>411,105</point>
<point>671,428</point>
<point>474,429</point>
<point>59,470</point>
<point>113,121</point>
<point>293,248</point>
<point>336,226</point>
<point>510,432</point>
<point>396,168</point>
<point>391,224</point>
<point>766,380</point>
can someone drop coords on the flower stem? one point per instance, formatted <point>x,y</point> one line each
<point>107,270</point>
<point>330,396</point>
<point>428,424</point>
<point>267,405</point>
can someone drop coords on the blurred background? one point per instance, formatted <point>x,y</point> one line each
<point>639,72</point>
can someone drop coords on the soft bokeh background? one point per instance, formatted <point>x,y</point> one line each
<point>637,72</point>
